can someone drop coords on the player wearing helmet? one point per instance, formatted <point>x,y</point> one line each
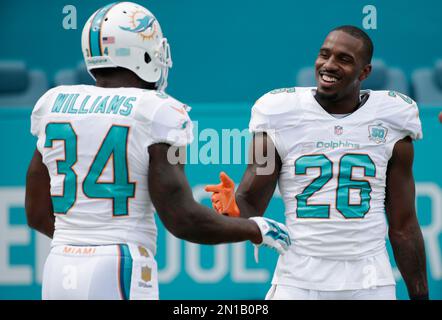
<point>129,36</point>
<point>106,159</point>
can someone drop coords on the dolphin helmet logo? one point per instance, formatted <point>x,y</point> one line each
<point>142,24</point>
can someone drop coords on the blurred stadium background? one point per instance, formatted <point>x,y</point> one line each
<point>226,54</point>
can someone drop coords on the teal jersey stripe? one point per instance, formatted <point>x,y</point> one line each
<point>125,270</point>
<point>95,31</point>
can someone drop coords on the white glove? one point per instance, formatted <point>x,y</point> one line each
<point>274,235</point>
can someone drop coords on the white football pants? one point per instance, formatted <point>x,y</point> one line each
<point>111,272</point>
<point>283,292</point>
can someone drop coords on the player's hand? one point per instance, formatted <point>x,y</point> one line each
<point>274,235</point>
<point>223,196</point>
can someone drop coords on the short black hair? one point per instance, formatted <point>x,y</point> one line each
<point>362,35</point>
<point>111,71</point>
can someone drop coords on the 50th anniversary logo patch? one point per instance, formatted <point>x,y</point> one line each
<point>377,133</point>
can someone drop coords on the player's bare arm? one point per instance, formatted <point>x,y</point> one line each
<point>256,189</point>
<point>38,204</point>
<point>404,231</point>
<point>182,215</point>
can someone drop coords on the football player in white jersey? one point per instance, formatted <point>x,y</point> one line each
<point>107,157</point>
<point>343,160</point>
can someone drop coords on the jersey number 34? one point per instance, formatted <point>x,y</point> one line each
<point>113,146</point>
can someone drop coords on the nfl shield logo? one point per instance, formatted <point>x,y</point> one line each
<point>338,130</point>
<point>146,274</point>
<point>377,133</point>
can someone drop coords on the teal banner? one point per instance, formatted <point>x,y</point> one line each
<point>190,271</point>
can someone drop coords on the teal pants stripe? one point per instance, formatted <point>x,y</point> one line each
<point>125,271</point>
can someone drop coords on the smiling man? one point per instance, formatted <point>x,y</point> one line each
<point>341,65</point>
<point>343,163</point>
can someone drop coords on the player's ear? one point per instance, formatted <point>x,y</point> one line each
<point>365,72</point>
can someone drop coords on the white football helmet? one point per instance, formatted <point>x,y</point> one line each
<point>127,35</point>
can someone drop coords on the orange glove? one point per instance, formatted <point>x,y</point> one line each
<point>223,197</point>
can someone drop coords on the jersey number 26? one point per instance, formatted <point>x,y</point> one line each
<point>344,185</point>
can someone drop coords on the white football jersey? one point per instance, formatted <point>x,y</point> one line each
<point>95,142</point>
<point>333,178</point>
